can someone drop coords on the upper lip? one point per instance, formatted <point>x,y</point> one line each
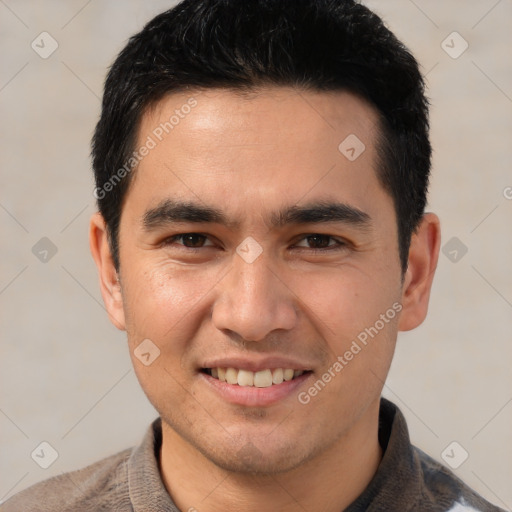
<point>255,364</point>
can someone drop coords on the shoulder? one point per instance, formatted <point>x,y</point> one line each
<point>100,486</point>
<point>442,487</point>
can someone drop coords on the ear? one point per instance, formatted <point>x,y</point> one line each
<point>423,256</point>
<point>109,279</point>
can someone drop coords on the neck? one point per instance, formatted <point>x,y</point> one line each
<point>330,482</point>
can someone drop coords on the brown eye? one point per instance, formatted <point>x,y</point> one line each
<point>190,240</point>
<point>193,240</point>
<point>319,241</point>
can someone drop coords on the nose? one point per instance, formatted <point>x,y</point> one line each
<point>253,301</point>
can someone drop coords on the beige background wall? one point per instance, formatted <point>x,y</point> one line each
<point>66,377</point>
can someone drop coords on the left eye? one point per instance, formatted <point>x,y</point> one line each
<point>320,241</point>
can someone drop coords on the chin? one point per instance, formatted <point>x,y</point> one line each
<point>249,460</point>
<point>250,452</point>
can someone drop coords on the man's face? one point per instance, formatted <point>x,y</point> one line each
<point>270,281</point>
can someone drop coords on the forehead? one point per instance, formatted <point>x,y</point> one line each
<point>271,115</point>
<point>267,147</point>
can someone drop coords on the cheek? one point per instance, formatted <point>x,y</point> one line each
<point>357,314</point>
<point>166,306</point>
<point>346,301</point>
<point>163,302</point>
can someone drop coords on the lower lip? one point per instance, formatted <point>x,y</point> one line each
<point>251,396</point>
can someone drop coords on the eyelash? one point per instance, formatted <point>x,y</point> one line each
<point>339,244</point>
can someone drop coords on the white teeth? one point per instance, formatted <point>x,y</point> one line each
<point>277,376</point>
<point>261,379</point>
<point>245,378</point>
<point>288,374</point>
<point>231,376</point>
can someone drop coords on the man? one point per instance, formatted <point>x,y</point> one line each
<point>261,174</point>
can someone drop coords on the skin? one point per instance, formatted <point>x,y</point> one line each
<point>248,156</point>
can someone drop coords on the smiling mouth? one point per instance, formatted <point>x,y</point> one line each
<point>260,379</point>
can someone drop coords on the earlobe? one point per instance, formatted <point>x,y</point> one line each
<point>423,257</point>
<point>109,280</point>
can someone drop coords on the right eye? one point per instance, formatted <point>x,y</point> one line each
<point>189,240</point>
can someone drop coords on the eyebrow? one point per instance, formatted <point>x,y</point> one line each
<point>170,211</point>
